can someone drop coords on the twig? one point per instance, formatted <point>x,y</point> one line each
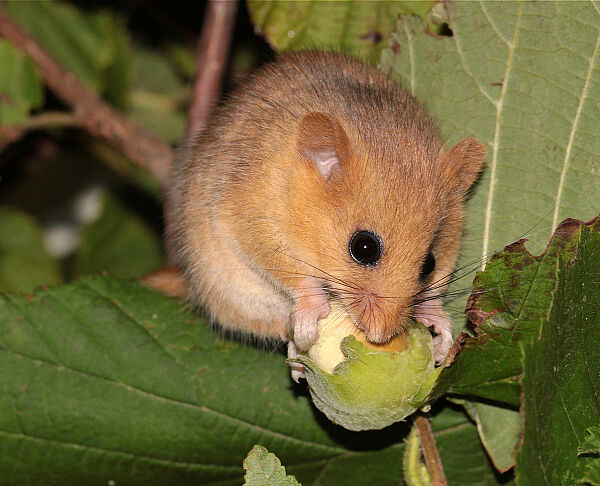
<point>11,133</point>
<point>211,59</point>
<point>49,119</point>
<point>90,111</point>
<point>430,452</point>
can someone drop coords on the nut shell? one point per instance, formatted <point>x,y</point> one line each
<point>327,353</point>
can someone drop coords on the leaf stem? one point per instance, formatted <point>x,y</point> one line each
<point>11,133</point>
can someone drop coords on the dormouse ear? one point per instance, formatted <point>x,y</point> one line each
<point>323,141</point>
<point>466,160</point>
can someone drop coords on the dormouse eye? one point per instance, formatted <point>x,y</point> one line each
<point>365,248</point>
<point>428,265</point>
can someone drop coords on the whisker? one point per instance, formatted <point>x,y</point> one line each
<point>303,275</point>
<point>322,271</point>
<point>378,307</point>
<point>449,294</point>
<point>469,267</point>
<point>455,275</point>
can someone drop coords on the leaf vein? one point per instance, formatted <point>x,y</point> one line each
<point>75,445</point>
<point>15,302</point>
<point>493,24</point>
<point>194,406</point>
<point>566,161</point>
<point>463,62</point>
<point>496,143</point>
<point>120,309</point>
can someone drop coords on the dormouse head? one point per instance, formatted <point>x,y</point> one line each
<point>378,219</point>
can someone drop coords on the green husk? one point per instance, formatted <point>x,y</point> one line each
<point>373,389</point>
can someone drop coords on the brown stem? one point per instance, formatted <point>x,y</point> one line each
<point>211,59</point>
<point>430,452</point>
<point>90,111</point>
<point>50,119</point>
<point>11,133</point>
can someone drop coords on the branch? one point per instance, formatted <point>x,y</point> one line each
<point>90,111</point>
<point>211,59</point>
<point>430,452</point>
<point>11,133</point>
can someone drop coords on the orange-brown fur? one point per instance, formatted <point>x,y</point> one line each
<point>254,214</point>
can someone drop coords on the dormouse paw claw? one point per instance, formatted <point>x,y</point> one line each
<point>435,317</point>
<point>307,312</point>
<point>441,346</point>
<point>297,369</point>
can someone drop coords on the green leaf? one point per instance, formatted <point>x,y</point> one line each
<point>499,430</point>
<point>524,78</point>
<point>591,442</point>
<point>591,446</point>
<point>158,98</point>
<point>20,87</point>
<point>592,475</point>
<point>24,262</point>
<point>512,297</point>
<point>181,56</point>
<point>561,379</point>
<point>464,460</point>
<point>264,469</point>
<point>118,73</point>
<point>520,297</point>
<point>358,28</point>
<point>108,381</point>
<point>92,46</point>
<point>120,243</point>
<point>104,380</point>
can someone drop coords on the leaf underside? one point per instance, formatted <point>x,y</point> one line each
<point>523,77</point>
<point>361,28</point>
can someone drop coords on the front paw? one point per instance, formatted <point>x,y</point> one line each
<point>306,330</point>
<point>441,346</point>
<point>298,371</point>
<point>432,315</point>
<point>311,305</point>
